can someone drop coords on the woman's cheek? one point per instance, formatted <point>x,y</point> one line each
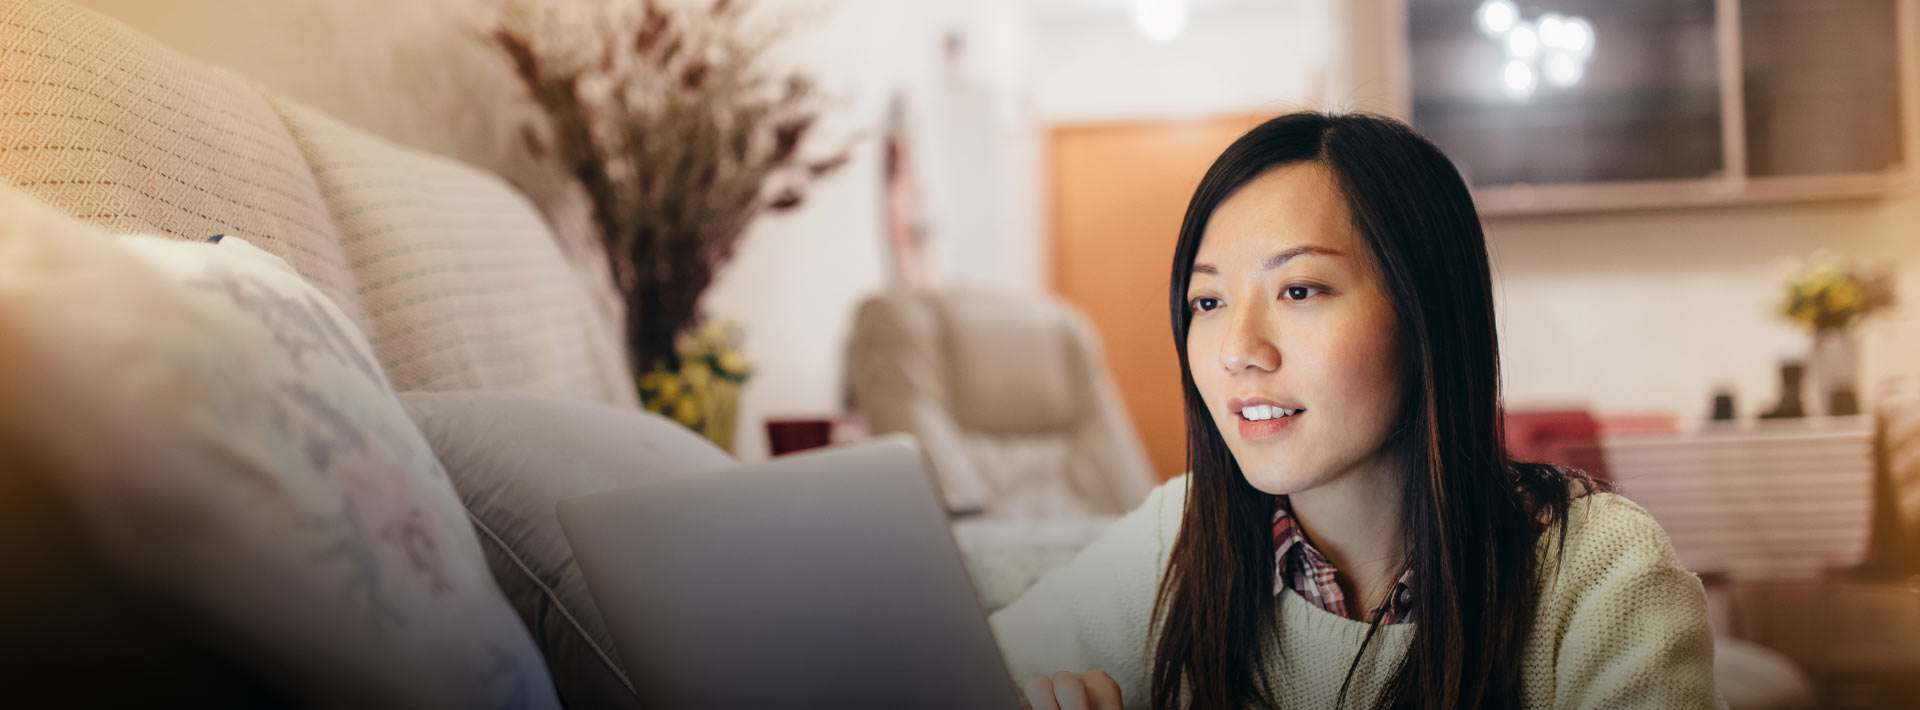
<point>1203,362</point>
<point>1361,357</point>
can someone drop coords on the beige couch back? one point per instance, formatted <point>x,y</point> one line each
<point>454,275</point>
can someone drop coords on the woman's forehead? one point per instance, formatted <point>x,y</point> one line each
<point>1292,206</point>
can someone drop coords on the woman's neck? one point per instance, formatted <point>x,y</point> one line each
<point>1355,521</point>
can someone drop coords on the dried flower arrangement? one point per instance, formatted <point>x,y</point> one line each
<point>682,134</point>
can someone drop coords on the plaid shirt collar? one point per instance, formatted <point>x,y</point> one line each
<point>1299,566</point>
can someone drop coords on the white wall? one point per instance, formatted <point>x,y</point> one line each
<point>1234,57</point>
<point>1653,310</point>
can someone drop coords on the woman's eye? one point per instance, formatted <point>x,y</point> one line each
<point>1204,303</point>
<point>1300,293</point>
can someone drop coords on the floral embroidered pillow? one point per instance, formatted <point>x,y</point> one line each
<point>229,443</point>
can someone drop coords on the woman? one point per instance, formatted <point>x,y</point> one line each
<point>1352,532</point>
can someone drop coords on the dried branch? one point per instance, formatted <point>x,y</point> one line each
<point>682,134</point>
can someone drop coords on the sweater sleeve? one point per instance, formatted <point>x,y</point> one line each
<point>1637,634</point>
<point>1095,611</point>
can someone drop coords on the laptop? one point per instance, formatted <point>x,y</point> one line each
<point>825,579</point>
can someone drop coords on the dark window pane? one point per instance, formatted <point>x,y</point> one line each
<point>1646,105</point>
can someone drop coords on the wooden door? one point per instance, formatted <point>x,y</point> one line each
<point>1118,193</point>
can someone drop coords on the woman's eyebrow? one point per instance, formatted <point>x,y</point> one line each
<point>1277,260</point>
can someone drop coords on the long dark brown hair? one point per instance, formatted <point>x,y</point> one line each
<point>1470,515</point>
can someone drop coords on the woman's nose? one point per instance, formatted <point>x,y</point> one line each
<point>1249,342</point>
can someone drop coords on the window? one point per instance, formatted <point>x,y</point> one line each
<point>1593,104</point>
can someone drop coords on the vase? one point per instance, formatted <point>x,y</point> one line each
<point>1835,366</point>
<point>723,412</point>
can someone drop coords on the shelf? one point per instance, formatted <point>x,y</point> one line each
<point>1524,200</point>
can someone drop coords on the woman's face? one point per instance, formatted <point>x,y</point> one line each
<point>1289,313</point>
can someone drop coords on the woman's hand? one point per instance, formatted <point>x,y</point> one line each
<point>1093,690</point>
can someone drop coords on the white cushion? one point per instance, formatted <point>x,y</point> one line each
<point>513,457</point>
<point>461,283</point>
<point>230,444</point>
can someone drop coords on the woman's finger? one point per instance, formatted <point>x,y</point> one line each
<point>1103,693</point>
<point>1039,693</point>
<point>1070,691</point>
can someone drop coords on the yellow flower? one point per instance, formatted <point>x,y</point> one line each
<point>1802,311</point>
<point>712,335</point>
<point>1842,297</point>
<point>670,386</point>
<point>1828,274</point>
<point>733,363</point>
<point>687,412</point>
<point>697,376</point>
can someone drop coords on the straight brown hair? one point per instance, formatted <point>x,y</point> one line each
<point>1471,516</point>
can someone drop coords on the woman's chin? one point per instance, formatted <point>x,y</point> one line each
<point>1278,480</point>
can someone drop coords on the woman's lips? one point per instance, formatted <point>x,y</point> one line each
<point>1255,431</point>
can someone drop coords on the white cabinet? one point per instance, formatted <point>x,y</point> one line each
<point>1788,499</point>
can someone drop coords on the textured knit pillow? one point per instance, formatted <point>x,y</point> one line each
<point>228,442</point>
<point>513,456</point>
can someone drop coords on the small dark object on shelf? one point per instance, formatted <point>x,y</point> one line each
<point>1843,403</point>
<point>1792,372</point>
<point>1723,406</point>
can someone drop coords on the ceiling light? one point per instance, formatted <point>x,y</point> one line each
<point>1552,29</point>
<point>1522,42</point>
<point>1495,17</point>
<point>1553,47</point>
<point>1576,36</point>
<point>1518,79</point>
<point>1562,69</point>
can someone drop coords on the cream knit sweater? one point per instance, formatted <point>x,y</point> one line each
<point>1620,623</point>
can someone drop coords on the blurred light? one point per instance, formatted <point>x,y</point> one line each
<point>1160,20</point>
<point>1576,36</point>
<point>1553,47</point>
<point>1495,17</point>
<point>1552,29</point>
<point>1562,69</point>
<point>1522,42</point>
<point>1518,79</point>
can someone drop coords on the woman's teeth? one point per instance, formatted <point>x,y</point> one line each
<point>1261,412</point>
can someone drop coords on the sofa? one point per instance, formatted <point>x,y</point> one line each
<point>332,568</point>
<point>448,278</point>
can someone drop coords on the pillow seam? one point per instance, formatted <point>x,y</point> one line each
<point>558,603</point>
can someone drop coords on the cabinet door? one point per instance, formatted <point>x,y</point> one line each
<point>1822,86</point>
